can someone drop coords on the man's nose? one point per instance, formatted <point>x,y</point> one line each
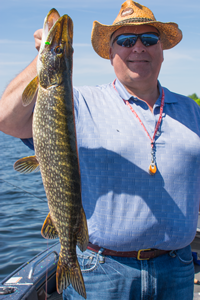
<point>138,47</point>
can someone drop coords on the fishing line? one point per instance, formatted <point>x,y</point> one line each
<point>17,187</point>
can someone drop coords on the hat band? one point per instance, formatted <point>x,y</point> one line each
<point>134,20</point>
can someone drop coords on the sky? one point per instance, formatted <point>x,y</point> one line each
<point>180,71</point>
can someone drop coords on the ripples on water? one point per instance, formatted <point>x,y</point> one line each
<point>21,214</point>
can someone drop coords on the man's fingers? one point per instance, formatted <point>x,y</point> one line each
<point>38,38</point>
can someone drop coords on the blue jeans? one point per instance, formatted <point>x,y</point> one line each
<point>167,277</point>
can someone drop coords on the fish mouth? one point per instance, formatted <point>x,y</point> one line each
<point>54,32</point>
<point>58,35</point>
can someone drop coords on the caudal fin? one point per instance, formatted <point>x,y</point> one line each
<point>65,276</point>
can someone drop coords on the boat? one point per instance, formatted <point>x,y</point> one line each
<point>36,279</point>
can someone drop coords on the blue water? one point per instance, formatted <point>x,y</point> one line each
<point>23,208</point>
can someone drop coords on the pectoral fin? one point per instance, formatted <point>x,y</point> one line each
<point>30,91</point>
<point>48,230</point>
<point>27,165</point>
<point>82,238</point>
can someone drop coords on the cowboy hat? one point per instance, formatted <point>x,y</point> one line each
<point>133,13</point>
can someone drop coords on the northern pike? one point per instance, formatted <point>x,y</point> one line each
<point>55,146</point>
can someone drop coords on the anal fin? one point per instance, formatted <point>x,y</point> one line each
<point>82,237</point>
<point>48,230</point>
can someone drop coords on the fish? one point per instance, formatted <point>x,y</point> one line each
<point>55,144</point>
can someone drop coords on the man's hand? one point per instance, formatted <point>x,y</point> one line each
<point>38,38</point>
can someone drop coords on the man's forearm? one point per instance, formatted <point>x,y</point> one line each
<point>15,119</point>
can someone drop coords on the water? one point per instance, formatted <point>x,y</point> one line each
<point>23,208</point>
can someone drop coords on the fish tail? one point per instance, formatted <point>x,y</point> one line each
<point>66,275</point>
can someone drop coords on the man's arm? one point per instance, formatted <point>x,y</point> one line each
<point>15,119</point>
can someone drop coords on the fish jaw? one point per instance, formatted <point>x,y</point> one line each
<point>56,51</point>
<point>51,18</point>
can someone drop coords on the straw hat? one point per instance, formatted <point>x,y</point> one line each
<point>133,13</point>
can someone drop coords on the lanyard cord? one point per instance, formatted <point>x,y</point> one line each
<point>152,166</point>
<point>159,120</point>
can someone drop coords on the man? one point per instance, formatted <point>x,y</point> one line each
<point>139,153</point>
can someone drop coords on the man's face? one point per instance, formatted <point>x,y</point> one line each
<point>139,63</point>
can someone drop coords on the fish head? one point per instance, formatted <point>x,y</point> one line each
<point>56,51</point>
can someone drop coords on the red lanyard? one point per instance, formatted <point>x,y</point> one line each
<point>152,167</point>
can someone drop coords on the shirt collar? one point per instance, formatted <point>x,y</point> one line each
<point>124,94</point>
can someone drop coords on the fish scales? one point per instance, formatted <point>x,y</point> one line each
<point>65,152</point>
<point>56,149</point>
<point>68,178</point>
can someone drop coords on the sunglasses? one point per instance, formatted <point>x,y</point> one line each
<point>129,40</point>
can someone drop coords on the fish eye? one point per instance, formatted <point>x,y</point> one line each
<point>58,50</point>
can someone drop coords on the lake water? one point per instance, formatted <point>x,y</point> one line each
<point>23,208</point>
